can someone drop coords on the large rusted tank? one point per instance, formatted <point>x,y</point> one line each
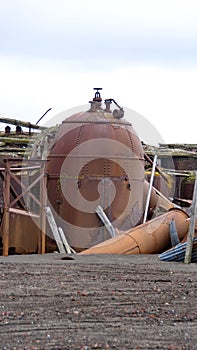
<point>96,159</point>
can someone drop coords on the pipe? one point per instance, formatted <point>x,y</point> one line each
<point>149,238</point>
<point>43,115</point>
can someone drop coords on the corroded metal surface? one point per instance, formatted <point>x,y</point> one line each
<point>149,238</point>
<point>95,160</point>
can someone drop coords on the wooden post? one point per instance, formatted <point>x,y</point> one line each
<point>6,214</point>
<point>189,247</point>
<point>43,204</point>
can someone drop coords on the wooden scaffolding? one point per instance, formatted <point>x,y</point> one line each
<point>14,193</point>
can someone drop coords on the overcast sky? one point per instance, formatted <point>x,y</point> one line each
<point>143,53</point>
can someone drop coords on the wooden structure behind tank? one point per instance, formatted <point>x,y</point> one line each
<point>179,161</point>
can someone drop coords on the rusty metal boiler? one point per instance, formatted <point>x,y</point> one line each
<point>96,159</point>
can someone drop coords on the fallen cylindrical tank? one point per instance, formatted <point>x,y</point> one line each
<point>148,238</point>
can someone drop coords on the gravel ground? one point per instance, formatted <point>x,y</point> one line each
<point>97,302</point>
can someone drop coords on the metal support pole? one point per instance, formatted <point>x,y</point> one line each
<point>188,253</point>
<point>150,188</point>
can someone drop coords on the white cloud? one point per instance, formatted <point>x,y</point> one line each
<point>92,31</point>
<point>143,53</point>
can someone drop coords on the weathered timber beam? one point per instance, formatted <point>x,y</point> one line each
<point>21,123</point>
<point>19,140</point>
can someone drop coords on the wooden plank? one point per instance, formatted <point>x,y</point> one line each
<point>26,189</point>
<point>12,121</point>
<point>54,230</point>
<point>101,214</point>
<point>23,212</point>
<point>36,167</point>
<point>13,191</point>
<point>64,240</point>
<point>16,140</point>
<point>156,167</point>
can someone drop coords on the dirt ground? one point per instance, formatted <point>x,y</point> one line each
<point>97,302</point>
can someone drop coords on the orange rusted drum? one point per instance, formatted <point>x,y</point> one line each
<point>149,238</point>
<point>96,159</point>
